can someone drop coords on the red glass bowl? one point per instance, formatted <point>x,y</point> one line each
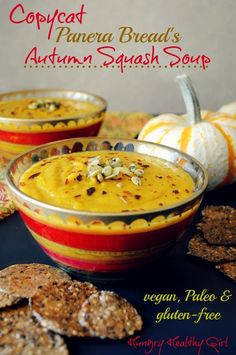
<point>105,244</point>
<point>20,134</point>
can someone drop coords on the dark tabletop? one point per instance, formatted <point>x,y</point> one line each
<point>175,274</point>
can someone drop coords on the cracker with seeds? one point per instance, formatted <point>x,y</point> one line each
<point>218,225</point>
<point>107,315</point>
<point>23,280</point>
<point>20,333</point>
<point>213,253</point>
<point>56,306</point>
<point>229,269</point>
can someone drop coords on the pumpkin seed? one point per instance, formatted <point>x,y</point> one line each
<point>132,167</point>
<point>32,106</point>
<point>117,170</point>
<point>94,161</point>
<point>115,173</point>
<point>100,178</point>
<point>125,171</point>
<point>107,171</point>
<point>136,180</point>
<point>95,167</point>
<point>94,173</point>
<point>115,162</point>
<point>139,172</point>
<point>51,108</point>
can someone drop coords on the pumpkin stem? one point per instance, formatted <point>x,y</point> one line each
<point>190,98</point>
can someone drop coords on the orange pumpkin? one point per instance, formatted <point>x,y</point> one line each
<point>210,137</point>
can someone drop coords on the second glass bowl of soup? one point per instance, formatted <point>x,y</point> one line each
<point>34,117</point>
<point>104,207</point>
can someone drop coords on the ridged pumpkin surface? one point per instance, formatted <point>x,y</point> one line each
<point>212,141</point>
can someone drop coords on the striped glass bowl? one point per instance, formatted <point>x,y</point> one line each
<point>18,135</point>
<point>105,245</point>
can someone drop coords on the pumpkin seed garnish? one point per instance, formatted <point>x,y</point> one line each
<point>94,160</point>
<point>136,180</point>
<point>100,177</point>
<point>113,169</point>
<point>47,104</point>
<point>139,172</point>
<point>115,162</point>
<point>125,171</point>
<point>94,172</point>
<point>107,171</point>
<point>132,167</point>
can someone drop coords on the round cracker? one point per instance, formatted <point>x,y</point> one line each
<point>107,315</point>
<point>56,306</point>
<point>219,225</point>
<point>20,333</point>
<point>23,280</point>
<point>212,253</point>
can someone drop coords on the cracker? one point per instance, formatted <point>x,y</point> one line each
<point>213,253</point>
<point>23,280</point>
<point>56,306</point>
<point>7,299</point>
<point>219,225</point>
<point>219,212</point>
<point>20,333</point>
<point>229,269</point>
<point>107,315</point>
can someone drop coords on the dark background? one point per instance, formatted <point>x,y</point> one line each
<point>174,274</point>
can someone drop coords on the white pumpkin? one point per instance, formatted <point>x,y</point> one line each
<point>210,137</point>
<point>229,109</point>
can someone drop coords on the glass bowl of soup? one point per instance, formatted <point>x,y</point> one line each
<point>34,117</point>
<point>103,207</point>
